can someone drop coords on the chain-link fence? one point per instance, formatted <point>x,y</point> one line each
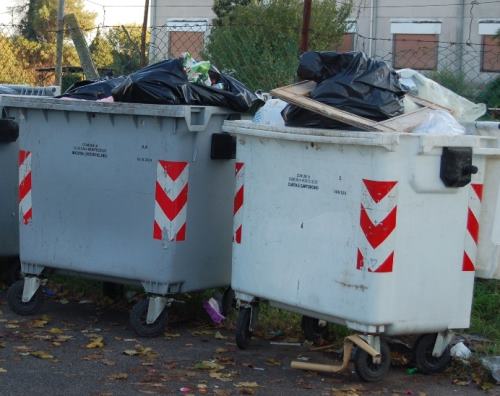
<point>264,64</point>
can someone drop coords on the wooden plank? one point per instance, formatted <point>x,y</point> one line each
<point>297,94</point>
<point>427,103</point>
<point>409,121</point>
<point>289,94</point>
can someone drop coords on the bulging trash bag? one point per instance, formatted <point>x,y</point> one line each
<point>92,90</point>
<point>349,81</point>
<point>166,82</point>
<point>439,122</point>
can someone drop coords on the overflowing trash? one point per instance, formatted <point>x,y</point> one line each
<point>213,310</point>
<point>492,364</point>
<point>168,82</point>
<point>351,82</point>
<point>181,81</point>
<point>92,90</point>
<point>270,113</point>
<point>440,122</point>
<point>460,351</point>
<point>463,109</point>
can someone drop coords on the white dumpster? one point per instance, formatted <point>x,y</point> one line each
<point>488,256</point>
<point>370,230</point>
<point>124,192</point>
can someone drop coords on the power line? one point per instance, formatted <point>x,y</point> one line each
<point>343,3</point>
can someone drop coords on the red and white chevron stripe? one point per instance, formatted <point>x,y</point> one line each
<point>171,200</point>
<point>238,202</point>
<point>25,207</point>
<point>472,234</point>
<point>377,223</point>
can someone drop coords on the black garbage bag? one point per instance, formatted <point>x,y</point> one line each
<point>166,82</point>
<point>92,90</point>
<point>349,81</point>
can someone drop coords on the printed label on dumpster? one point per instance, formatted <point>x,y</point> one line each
<point>301,180</point>
<point>90,150</point>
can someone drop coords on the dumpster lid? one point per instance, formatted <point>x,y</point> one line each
<point>387,140</point>
<point>137,109</point>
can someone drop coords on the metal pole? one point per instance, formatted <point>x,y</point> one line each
<point>306,21</point>
<point>143,35</point>
<point>59,42</point>
<point>460,36</point>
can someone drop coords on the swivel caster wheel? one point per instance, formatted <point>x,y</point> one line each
<point>15,300</point>
<point>369,371</point>
<point>138,320</point>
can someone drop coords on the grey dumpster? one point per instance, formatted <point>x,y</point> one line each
<point>128,193</point>
<point>9,148</point>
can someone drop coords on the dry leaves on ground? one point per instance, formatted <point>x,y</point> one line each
<point>95,343</point>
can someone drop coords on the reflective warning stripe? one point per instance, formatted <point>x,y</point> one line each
<point>378,214</point>
<point>25,205</point>
<point>472,233</point>
<point>238,202</point>
<point>171,197</point>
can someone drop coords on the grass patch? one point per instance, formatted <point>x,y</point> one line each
<point>485,319</point>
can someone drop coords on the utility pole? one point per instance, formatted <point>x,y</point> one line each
<point>306,21</point>
<point>143,35</point>
<point>59,42</point>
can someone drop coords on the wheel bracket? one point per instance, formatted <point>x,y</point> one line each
<point>443,339</point>
<point>31,285</point>
<point>156,305</point>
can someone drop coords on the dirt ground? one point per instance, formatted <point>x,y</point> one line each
<point>78,348</point>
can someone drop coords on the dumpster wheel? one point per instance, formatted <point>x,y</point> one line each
<point>138,316</point>
<point>243,332</point>
<point>15,300</point>
<point>313,330</point>
<point>425,362</point>
<point>369,371</point>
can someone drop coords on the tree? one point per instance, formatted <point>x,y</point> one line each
<point>101,51</point>
<point>39,18</point>
<point>259,42</point>
<point>118,48</point>
<point>223,8</point>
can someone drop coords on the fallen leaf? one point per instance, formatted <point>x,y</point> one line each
<point>208,365</point>
<point>219,336</point>
<point>97,342</point>
<point>2,370</point>
<point>130,352</point>
<point>224,377</point>
<point>273,362</point>
<point>55,330</point>
<point>221,350</point>
<point>108,362</point>
<point>11,326</point>
<point>201,332</point>
<point>247,385</point>
<point>42,355</point>
<point>39,323</point>
<point>63,338</point>
<point>222,392</point>
<point>118,376</point>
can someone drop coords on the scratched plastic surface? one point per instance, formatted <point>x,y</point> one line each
<point>355,227</point>
<point>126,192</point>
